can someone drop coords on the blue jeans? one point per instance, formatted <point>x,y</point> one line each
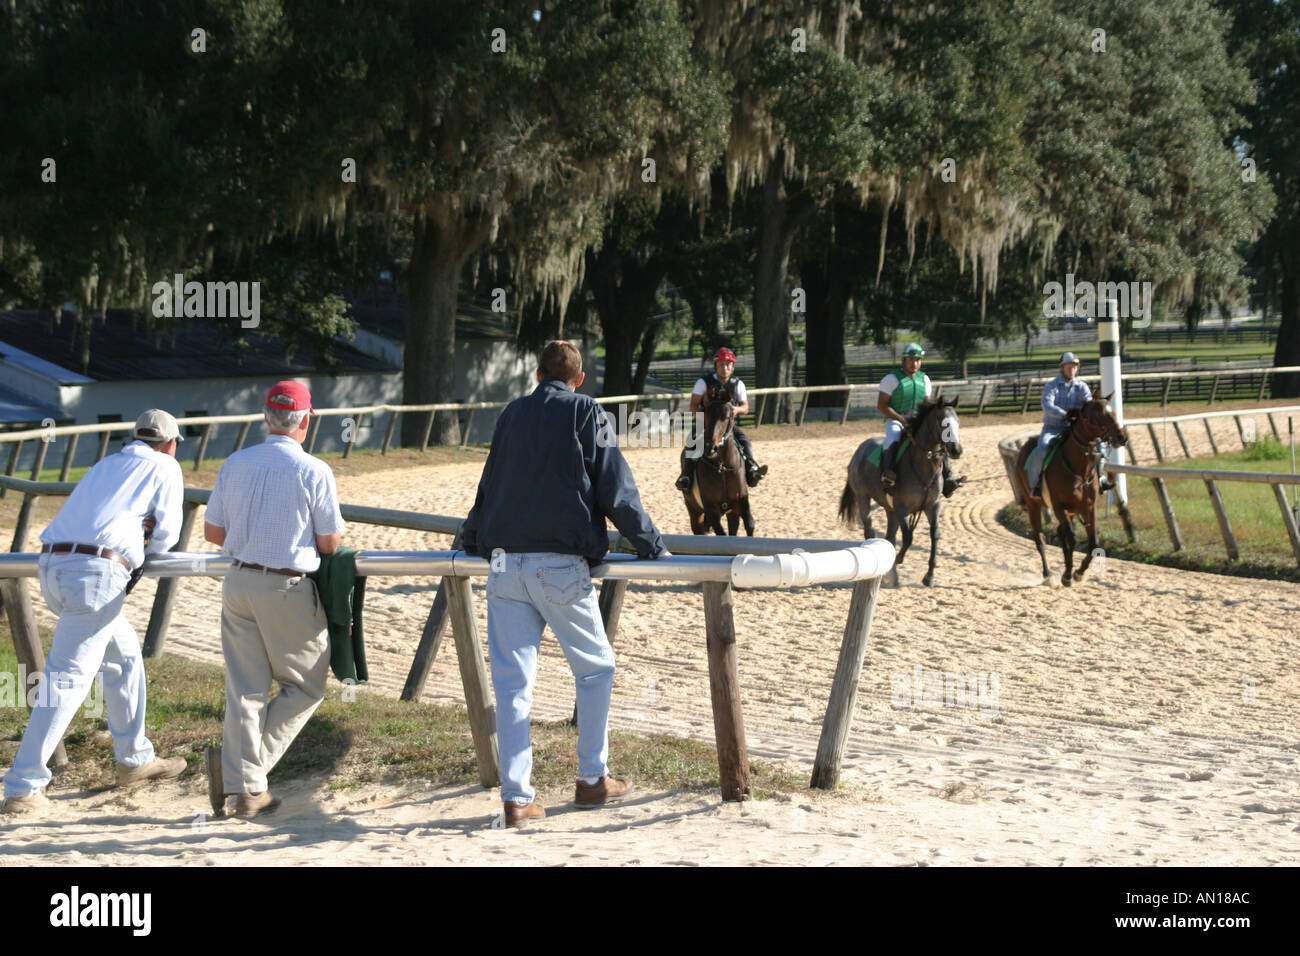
<point>525,593</point>
<point>92,635</point>
<point>1035,462</point>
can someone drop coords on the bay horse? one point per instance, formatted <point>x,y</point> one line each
<point>918,481</point>
<point>719,487</point>
<point>1070,482</point>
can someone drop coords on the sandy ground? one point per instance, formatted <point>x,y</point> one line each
<point>1147,716</point>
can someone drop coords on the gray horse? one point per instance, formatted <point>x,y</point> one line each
<point>918,485</point>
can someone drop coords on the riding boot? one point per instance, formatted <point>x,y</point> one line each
<point>887,476</point>
<point>950,484</point>
<point>688,470</point>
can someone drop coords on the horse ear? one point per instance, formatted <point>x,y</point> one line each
<point>953,403</point>
<point>1107,398</point>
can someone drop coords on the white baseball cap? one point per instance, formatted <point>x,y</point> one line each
<point>156,425</point>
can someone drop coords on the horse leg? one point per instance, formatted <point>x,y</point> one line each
<point>932,515</point>
<point>714,520</point>
<point>1036,525</point>
<point>746,516</point>
<point>864,510</point>
<point>891,529</point>
<point>1065,529</point>
<point>906,528</point>
<point>733,521</point>
<point>1090,523</point>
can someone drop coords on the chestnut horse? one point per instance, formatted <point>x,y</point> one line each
<point>1070,482</point>
<point>719,486</point>
<point>919,481</point>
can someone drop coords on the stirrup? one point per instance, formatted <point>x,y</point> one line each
<point>754,474</point>
<point>952,484</point>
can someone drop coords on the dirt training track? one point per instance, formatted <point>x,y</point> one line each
<point>1159,725</point>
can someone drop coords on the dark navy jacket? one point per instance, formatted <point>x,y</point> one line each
<point>549,485</point>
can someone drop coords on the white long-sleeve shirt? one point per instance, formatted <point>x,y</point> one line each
<point>110,503</point>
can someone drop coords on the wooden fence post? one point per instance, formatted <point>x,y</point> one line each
<point>428,430</point>
<point>203,445</point>
<point>1241,432</point>
<point>724,688</point>
<point>1210,434</point>
<point>388,433</point>
<point>39,463</point>
<point>243,436</point>
<point>1164,394</point>
<point>1288,519</point>
<point>803,406</point>
<point>762,404</point>
<point>1273,425</point>
<point>469,420</point>
<point>312,432</point>
<point>1151,430</point>
<point>67,456</point>
<point>1167,506</point>
<point>844,687</point>
<point>103,447</point>
<point>984,394</point>
<point>15,450</point>
<point>1025,405</point>
<point>27,643</point>
<point>848,398</point>
<point>1263,381</point>
<point>430,640</point>
<point>1225,528</point>
<point>1214,389</point>
<point>160,616</point>
<point>1181,440</point>
<point>473,675</point>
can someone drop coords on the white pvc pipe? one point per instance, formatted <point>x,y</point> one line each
<point>870,559</point>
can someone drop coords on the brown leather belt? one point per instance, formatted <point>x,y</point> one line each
<point>287,572</point>
<point>95,551</point>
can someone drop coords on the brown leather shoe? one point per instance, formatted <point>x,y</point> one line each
<point>35,804</point>
<point>517,814</point>
<point>588,796</point>
<point>254,804</point>
<point>155,769</point>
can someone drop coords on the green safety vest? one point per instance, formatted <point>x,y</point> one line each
<point>910,391</point>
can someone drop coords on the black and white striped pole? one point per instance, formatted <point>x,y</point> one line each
<point>1112,385</point>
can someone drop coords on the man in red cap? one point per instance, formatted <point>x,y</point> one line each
<point>722,377</point>
<point>275,510</point>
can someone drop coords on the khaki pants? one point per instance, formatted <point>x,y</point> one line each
<point>272,628</point>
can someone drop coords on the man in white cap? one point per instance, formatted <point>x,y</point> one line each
<point>1061,395</point>
<point>128,505</point>
<point>275,510</point>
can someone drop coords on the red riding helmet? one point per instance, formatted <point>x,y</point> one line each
<point>724,354</point>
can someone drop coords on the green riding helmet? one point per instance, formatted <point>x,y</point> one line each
<point>912,350</point>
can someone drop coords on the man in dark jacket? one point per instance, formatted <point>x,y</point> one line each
<point>552,477</point>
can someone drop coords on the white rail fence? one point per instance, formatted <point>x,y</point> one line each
<point>727,563</point>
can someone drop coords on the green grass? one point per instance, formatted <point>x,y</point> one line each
<point>1252,512</point>
<point>348,743</point>
<point>1205,352</point>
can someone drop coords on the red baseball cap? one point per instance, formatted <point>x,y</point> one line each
<point>724,354</point>
<point>289,397</point>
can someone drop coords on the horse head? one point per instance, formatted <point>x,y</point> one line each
<point>937,428</point>
<point>719,420</point>
<point>1097,420</point>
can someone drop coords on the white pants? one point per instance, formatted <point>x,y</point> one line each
<point>893,432</point>
<point>92,636</point>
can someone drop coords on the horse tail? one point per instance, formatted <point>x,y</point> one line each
<point>848,505</point>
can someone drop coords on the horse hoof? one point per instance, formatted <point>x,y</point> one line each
<point>1066,579</point>
<point>1078,575</point>
<point>927,580</point>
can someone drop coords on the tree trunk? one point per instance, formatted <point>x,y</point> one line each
<point>782,217</point>
<point>828,301</point>
<point>648,341</point>
<point>1287,385</point>
<point>441,246</point>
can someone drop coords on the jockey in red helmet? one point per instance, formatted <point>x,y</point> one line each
<point>724,364</point>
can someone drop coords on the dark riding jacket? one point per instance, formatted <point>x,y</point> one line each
<point>553,475</point>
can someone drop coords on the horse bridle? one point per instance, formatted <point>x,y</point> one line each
<point>714,448</point>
